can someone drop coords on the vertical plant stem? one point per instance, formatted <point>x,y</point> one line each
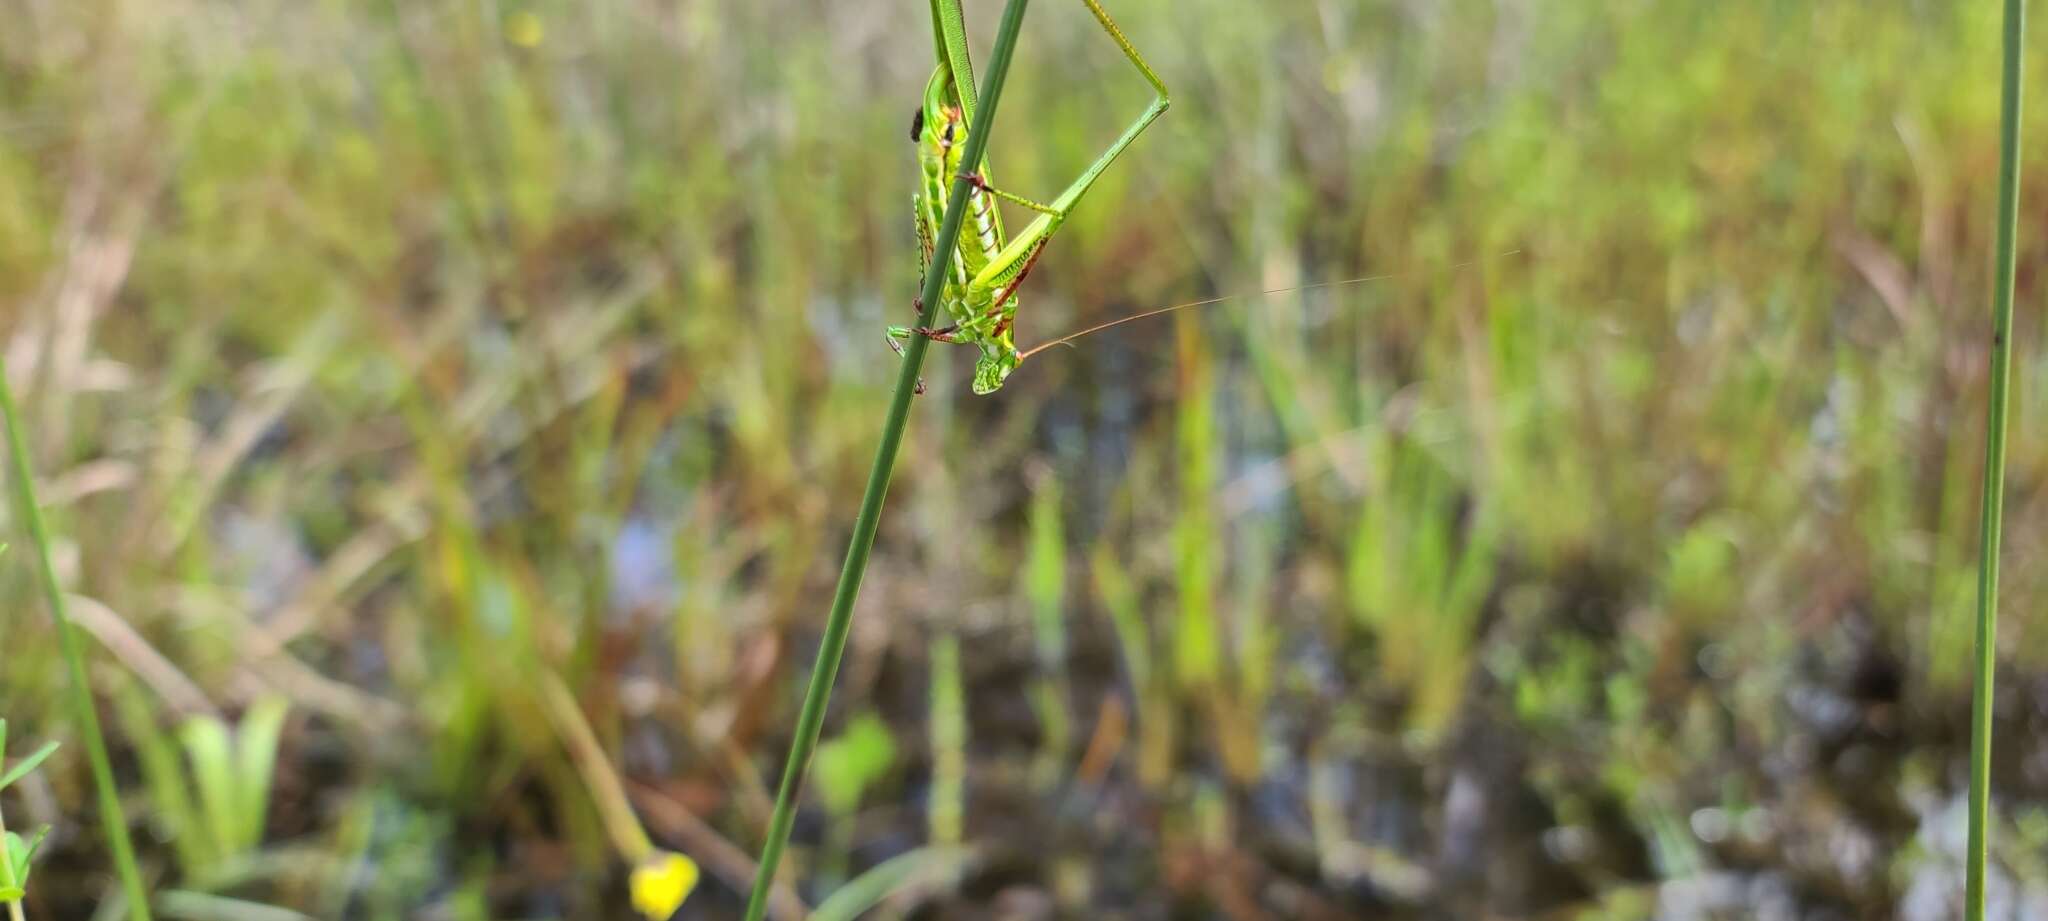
<point>946,803</point>
<point>14,910</point>
<point>614,809</point>
<point>112,821</point>
<point>7,879</point>
<point>1993,512</point>
<point>811,719</point>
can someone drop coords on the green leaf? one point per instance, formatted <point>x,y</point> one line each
<point>203,906</point>
<point>20,853</point>
<point>848,764</point>
<point>213,773</point>
<point>25,765</point>
<point>11,893</point>
<point>171,808</point>
<point>255,765</point>
<point>924,866</point>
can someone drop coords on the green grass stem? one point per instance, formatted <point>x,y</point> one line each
<point>112,821</point>
<point>833,645</point>
<point>1992,516</point>
<point>7,880</point>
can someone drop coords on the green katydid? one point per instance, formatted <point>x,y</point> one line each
<point>985,267</point>
<point>980,292</point>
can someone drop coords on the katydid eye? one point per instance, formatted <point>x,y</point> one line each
<point>917,124</point>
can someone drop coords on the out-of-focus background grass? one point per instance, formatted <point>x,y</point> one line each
<point>385,358</point>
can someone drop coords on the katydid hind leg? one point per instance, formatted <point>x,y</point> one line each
<point>1160,101</point>
<point>1007,298</point>
<point>1051,216</point>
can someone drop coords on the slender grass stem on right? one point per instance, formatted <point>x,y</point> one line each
<point>1992,517</point>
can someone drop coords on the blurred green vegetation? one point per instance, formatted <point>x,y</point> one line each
<point>1611,559</point>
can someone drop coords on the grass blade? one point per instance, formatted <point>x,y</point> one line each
<point>112,822</point>
<point>25,765</point>
<point>1991,518</point>
<point>833,645</point>
<point>256,766</point>
<point>206,748</point>
<point>904,871</point>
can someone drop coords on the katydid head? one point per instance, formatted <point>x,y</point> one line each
<point>994,367</point>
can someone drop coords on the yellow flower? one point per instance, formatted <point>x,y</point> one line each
<point>661,883</point>
<point>524,29</point>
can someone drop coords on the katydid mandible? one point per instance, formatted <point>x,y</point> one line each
<point>985,267</point>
